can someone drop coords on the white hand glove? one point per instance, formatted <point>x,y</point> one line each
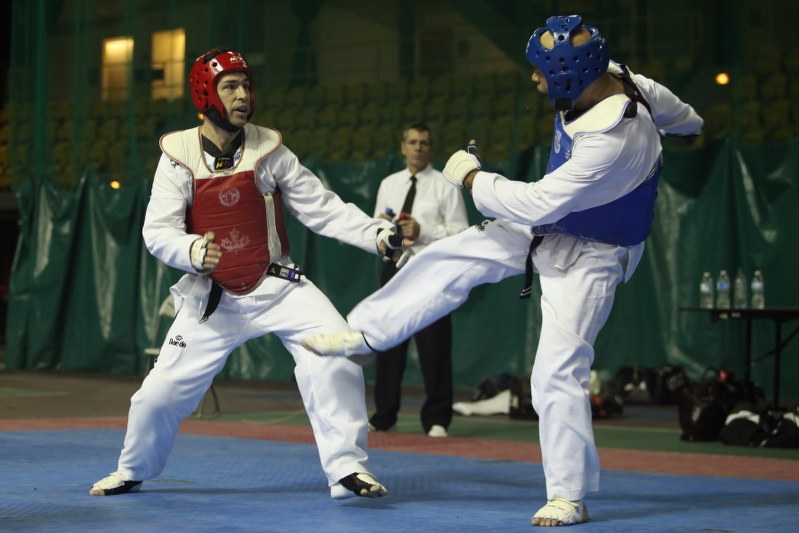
<point>394,242</point>
<point>407,253</point>
<point>201,260</point>
<point>391,240</point>
<point>458,167</point>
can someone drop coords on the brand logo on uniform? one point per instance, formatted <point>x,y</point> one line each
<point>177,341</point>
<point>557,141</point>
<point>482,225</point>
<point>223,163</point>
<point>234,241</point>
<point>237,59</point>
<point>229,196</point>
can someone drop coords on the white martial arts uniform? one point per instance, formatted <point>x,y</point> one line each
<point>611,156</point>
<point>193,353</point>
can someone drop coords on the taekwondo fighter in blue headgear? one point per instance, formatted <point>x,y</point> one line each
<point>581,228</point>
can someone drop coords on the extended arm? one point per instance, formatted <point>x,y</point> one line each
<point>315,206</point>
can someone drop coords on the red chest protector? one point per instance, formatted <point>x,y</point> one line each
<point>248,224</point>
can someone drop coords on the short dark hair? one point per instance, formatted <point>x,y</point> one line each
<point>420,127</point>
<point>209,55</point>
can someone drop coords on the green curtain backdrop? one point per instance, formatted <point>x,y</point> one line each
<point>85,291</point>
<point>340,79</point>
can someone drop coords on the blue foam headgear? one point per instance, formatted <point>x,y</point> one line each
<point>568,69</point>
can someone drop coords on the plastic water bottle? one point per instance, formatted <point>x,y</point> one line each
<point>758,291</point>
<point>706,291</point>
<point>723,290</point>
<point>741,291</point>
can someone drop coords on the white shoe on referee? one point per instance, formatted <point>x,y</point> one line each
<point>437,431</point>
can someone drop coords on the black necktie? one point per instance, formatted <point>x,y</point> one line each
<point>408,205</point>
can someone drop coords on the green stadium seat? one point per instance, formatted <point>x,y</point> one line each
<point>296,98</point>
<point>400,90</point>
<point>719,121</point>
<point>369,114</point>
<point>355,93</point>
<point>750,124</point>
<point>147,128</point>
<point>328,117</point>
<point>317,144</point>
<point>746,87</point>
<point>793,88</point>
<point>454,136</point>
<point>778,120</point>
<point>436,110</point>
<point>768,61</point>
<point>791,63</point>
<point>525,135</point>
<point>348,116</point>
<point>441,87</point>
<point>305,119</point>
<point>387,139</point>
<point>459,108</point>
<point>286,119</point>
<point>377,93</point>
<point>413,111</point>
<point>502,105</point>
<point>499,143</point>
<point>362,143</point>
<point>333,96</point>
<point>774,87</point>
<point>298,141</point>
<point>391,113</point>
<point>419,89</point>
<point>275,98</point>
<point>339,144</point>
<point>544,128</point>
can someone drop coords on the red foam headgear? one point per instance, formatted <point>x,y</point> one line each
<point>205,74</point>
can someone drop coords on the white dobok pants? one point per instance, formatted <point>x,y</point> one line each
<point>332,388</point>
<point>578,280</point>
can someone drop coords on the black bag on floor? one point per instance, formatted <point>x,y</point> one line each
<point>665,383</point>
<point>746,425</point>
<point>756,426</point>
<point>631,384</point>
<point>521,398</point>
<point>491,387</point>
<point>701,412</point>
<point>607,403</point>
<point>704,406</point>
<point>785,433</point>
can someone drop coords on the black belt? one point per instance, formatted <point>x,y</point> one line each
<point>528,268</point>
<point>284,272</point>
<point>279,271</point>
<point>213,301</point>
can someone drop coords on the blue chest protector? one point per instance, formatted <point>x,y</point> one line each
<point>625,221</point>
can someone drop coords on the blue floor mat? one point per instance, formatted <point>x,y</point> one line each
<point>228,484</point>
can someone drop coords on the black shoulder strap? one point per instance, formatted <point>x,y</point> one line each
<point>631,90</point>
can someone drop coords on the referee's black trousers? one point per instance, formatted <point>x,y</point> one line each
<point>434,346</point>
